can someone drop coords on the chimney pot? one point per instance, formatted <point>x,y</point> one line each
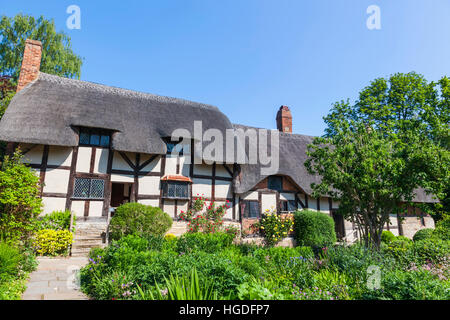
<point>31,63</point>
<point>284,120</point>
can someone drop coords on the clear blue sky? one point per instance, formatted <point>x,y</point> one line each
<point>248,57</point>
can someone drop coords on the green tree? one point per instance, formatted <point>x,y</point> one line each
<point>377,151</point>
<point>57,55</point>
<point>20,201</point>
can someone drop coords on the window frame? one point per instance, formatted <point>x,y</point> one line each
<point>89,189</point>
<point>244,215</point>
<point>269,184</point>
<point>283,202</point>
<point>94,131</point>
<point>165,189</point>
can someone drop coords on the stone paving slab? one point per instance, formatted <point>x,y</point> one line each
<point>54,279</point>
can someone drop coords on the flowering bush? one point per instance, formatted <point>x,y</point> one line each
<point>52,242</point>
<point>203,218</point>
<point>274,228</point>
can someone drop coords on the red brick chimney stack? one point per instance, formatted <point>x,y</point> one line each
<point>31,63</point>
<point>284,120</point>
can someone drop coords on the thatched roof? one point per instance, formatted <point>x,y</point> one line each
<point>46,111</point>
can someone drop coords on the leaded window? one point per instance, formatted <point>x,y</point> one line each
<point>251,209</point>
<point>95,137</point>
<point>85,188</point>
<point>176,190</point>
<point>289,205</point>
<point>275,183</point>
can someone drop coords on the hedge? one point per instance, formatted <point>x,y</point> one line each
<point>313,228</point>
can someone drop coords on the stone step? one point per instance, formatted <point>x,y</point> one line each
<point>87,238</point>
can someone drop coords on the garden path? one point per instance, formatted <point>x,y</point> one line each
<point>55,279</point>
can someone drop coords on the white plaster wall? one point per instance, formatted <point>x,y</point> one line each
<point>95,208</point>
<point>171,165</point>
<point>154,166</point>
<point>34,156</point>
<point>252,195</point>
<point>53,204</point>
<point>223,189</point>
<point>312,203</point>
<point>120,164</point>
<point>268,202</point>
<point>182,206</point>
<point>84,159</point>
<point>122,178</point>
<point>59,156</point>
<point>202,169</point>
<point>169,207</point>
<point>149,202</point>
<point>101,160</point>
<point>201,187</point>
<point>78,208</point>
<point>149,185</point>
<point>324,205</point>
<point>56,180</point>
<point>222,172</point>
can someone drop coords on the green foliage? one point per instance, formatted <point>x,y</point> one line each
<point>423,234</point>
<point>313,228</point>
<point>257,289</point>
<point>442,230</point>
<point>186,287</point>
<point>57,220</point>
<point>52,242</point>
<point>57,55</point>
<point>208,242</point>
<point>137,218</point>
<point>274,228</point>
<point>430,250</point>
<point>387,236</point>
<point>9,260</point>
<point>377,151</point>
<point>403,238</point>
<point>20,201</point>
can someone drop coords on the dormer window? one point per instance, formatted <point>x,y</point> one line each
<point>173,146</point>
<point>275,183</point>
<point>95,137</point>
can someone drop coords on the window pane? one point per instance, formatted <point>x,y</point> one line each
<point>275,183</point>
<point>84,138</point>
<point>95,139</point>
<point>284,206</point>
<point>251,209</point>
<point>97,188</point>
<point>171,190</point>
<point>291,205</point>
<point>81,188</point>
<point>181,190</point>
<point>104,141</point>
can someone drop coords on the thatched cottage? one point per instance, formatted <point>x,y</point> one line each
<point>96,147</point>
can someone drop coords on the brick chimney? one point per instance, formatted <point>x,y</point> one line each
<point>284,120</point>
<point>31,63</point>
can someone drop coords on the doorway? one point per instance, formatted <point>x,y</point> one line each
<point>120,194</point>
<point>339,226</point>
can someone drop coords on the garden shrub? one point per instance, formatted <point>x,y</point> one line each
<point>423,234</point>
<point>387,236</point>
<point>208,242</point>
<point>430,250</point>
<point>20,201</point>
<point>313,228</point>
<point>9,260</point>
<point>274,228</point>
<point>442,230</point>
<point>52,242</point>
<point>57,220</point>
<point>403,238</point>
<point>138,218</point>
